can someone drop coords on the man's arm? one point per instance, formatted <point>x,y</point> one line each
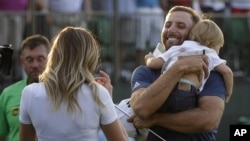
<point>146,101</point>
<point>204,118</point>
<point>228,78</point>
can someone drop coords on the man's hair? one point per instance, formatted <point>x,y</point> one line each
<point>196,17</point>
<point>207,33</point>
<point>33,41</point>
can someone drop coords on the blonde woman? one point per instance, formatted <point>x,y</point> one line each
<point>69,104</point>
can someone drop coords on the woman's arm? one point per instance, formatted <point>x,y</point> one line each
<point>27,132</point>
<point>115,131</point>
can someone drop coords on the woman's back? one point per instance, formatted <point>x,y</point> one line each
<point>61,124</point>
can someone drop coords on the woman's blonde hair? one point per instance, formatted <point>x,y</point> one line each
<point>207,33</point>
<point>73,58</point>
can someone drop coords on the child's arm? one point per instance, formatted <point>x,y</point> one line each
<point>228,78</point>
<point>153,62</point>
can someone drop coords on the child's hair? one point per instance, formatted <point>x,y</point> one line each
<point>207,33</point>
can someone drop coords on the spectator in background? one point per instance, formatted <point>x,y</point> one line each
<point>238,37</point>
<point>215,7</point>
<point>33,55</point>
<point>166,5</point>
<point>68,13</point>
<point>102,26</point>
<point>37,22</point>
<point>216,10</point>
<point>148,28</point>
<point>102,23</point>
<point>11,29</point>
<point>6,53</point>
<point>127,34</point>
<point>127,22</point>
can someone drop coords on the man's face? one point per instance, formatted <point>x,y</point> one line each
<point>34,61</point>
<point>176,28</point>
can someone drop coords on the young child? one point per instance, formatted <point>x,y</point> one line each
<point>205,38</point>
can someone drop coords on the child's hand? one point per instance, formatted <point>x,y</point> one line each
<point>105,81</point>
<point>148,56</point>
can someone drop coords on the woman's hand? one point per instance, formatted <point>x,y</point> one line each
<point>105,81</point>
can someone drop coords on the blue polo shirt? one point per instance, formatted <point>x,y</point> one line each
<point>143,77</point>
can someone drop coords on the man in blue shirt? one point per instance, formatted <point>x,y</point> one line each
<point>151,90</point>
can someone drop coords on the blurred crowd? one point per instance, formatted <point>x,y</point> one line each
<point>121,27</point>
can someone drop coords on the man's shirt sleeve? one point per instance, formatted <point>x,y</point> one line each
<point>215,86</point>
<point>142,77</point>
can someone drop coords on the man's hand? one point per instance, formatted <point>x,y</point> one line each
<point>196,63</point>
<point>139,123</point>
